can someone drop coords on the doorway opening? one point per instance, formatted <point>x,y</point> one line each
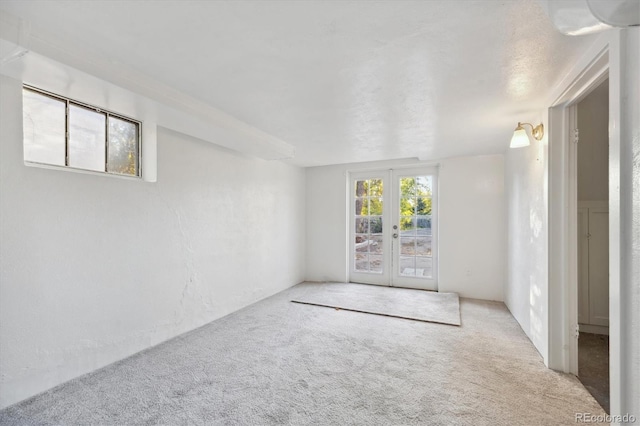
<point>393,228</point>
<point>591,115</point>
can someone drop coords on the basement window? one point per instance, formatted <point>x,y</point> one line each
<point>64,133</point>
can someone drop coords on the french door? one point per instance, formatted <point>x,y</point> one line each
<point>393,228</point>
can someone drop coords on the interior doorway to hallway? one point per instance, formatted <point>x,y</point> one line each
<point>591,118</point>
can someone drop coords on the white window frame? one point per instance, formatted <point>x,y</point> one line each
<point>108,113</point>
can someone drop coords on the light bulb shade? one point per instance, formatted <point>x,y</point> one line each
<point>520,138</point>
<point>617,13</point>
<point>573,17</point>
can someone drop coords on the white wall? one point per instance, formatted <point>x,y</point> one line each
<point>593,148</point>
<point>526,286</point>
<point>95,268</point>
<point>472,228</point>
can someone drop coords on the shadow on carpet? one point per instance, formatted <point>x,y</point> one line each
<point>418,305</point>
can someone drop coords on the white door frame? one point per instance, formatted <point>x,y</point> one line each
<point>388,175</point>
<point>602,61</point>
<point>563,213</point>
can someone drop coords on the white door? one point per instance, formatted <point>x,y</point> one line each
<point>414,229</point>
<point>393,228</point>
<point>370,244</point>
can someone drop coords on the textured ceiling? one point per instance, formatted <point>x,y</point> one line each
<point>341,81</point>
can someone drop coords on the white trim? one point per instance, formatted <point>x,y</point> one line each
<point>563,259</point>
<point>615,159</point>
<point>392,165</point>
<point>82,171</point>
<point>601,61</point>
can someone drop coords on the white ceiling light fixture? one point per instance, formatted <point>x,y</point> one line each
<point>617,13</point>
<point>520,137</point>
<point>579,17</point>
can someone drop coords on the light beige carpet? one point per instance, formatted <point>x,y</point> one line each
<point>418,305</point>
<point>282,363</point>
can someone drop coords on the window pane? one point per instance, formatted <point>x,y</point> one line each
<point>361,188</point>
<point>408,187</point>
<point>123,147</point>
<point>87,138</point>
<point>424,267</point>
<point>375,246</point>
<point>362,243</point>
<point>407,266</point>
<point>362,226</point>
<point>375,225</point>
<point>423,206</point>
<point>375,206</point>
<point>362,206</point>
<point>423,223</point>
<point>407,225</point>
<point>362,262</point>
<point>423,186</point>
<point>375,187</point>
<point>407,206</point>
<point>44,128</point>
<point>423,246</point>
<point>407,246</point>
<point>375,263</point>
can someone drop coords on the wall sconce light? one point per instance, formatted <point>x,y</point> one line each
<point>520,137</point>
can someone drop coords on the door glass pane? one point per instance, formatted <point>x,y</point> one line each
<point>407,206</point>
<point>375,187</point>
<point>407,246</point>
<point>375,263</point>
<point>361,189</point>
<point>424,267</point>
<point>362,225</point>
<point>423,225</point>
<point>415,257</point>
<point>375,206</point>
<point>423,206</point>
<point>375,245</point>
<point>375,225</point>
<point>362,243</point>
<point>368,226</point>
<point>407,266</point>
<point>423,186</point>
<point>423,246</point>
<point>123,147</point>
<point>44,128</point>
<point>407,225</point>
<point>362,262</point>
<point>87,138</point>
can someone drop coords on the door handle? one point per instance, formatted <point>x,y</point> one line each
<point>395,235</point>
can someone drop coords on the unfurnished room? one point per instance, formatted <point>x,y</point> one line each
<point>314,212</point>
